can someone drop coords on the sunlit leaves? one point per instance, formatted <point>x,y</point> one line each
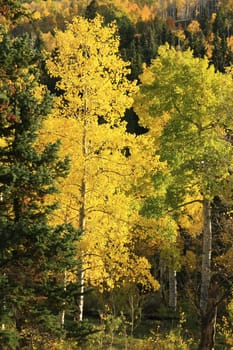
<point>88,117</point>
<point>198,102</point>
<point>93,74</point>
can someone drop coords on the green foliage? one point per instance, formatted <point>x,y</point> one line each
<point>34,255</point>
<point>12,10</point>
<point>111,335</point>
<point>222,56</point>
<point>195,39</point>
<point>191,141</point>
<point>188,98</point>
<point>194,142</point>
<point>9,339</point>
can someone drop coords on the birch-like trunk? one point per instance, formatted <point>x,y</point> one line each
<point>206,256</point>
<point>207,303</point>
<point>82,221</point>
<point>63,313</point>
<point>82,228</point>
<point>172,290</point>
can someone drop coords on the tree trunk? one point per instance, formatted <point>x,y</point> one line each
<point>162,271</point>
<point>206,256</point>
<point>63,312</point>
<point>208,327</point>
<point>172,290</point>
<point>82,225</point>
<point>208,306</point>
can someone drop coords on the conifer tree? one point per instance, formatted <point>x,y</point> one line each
<point>222,54</point>
<point>34,255</point>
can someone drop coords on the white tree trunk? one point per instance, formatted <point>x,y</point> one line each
<point>63,311</point>
<point>206,255</point>
<point>82,213</point>
<point>81,300</point>
<point>172,290</point>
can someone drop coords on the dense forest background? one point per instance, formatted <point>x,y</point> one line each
<point>116,129</point>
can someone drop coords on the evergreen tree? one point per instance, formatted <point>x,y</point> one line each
<point>92,9</point>
<point>196,39</point>
<point>222,56</point>
<point>34,255</point>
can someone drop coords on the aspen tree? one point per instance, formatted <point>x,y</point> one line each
<point>95,92</point>
<point>198,103</point>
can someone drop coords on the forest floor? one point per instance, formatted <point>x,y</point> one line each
<point>169,334</point>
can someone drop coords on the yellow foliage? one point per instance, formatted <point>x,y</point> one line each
<point>3,142</point>
<point>39,92</point>
<point>146,13</point>
<point>36,15</point>
<point>49,41</point>
<point>97,195</point>
<point>191,218</point>
<point>41,8</point>
<point>190,260</point>
<point>88,62</point>
<point>180,34</point>
<point>194,27</point>
<point>230,43</point>
<point>107,244</point>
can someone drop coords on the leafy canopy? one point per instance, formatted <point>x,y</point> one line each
<point>88,115</point>
<point>193,104</point>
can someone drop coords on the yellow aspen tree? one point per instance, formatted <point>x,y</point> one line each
<point>88,117</point>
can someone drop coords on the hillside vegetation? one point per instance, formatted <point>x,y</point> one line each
<point>116,197</point>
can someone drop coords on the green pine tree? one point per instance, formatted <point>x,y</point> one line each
<point>34,255</point>
<point>222,56</point>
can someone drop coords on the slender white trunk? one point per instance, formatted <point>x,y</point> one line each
<point>172,289</point>
<point>82,213</point>
<point>63,311</point>
<point>208,305</point>
<point>81,300</point>
<point>82,274</point>
<point>206,256</point>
